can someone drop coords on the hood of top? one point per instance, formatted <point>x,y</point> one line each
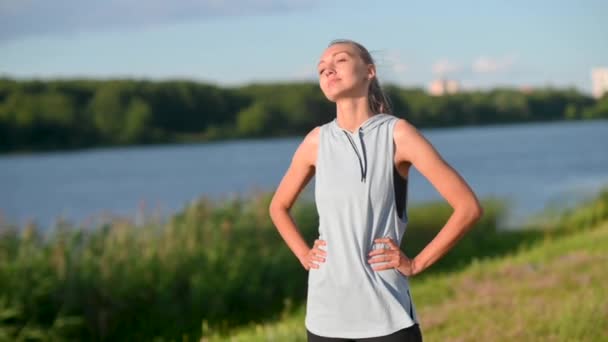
<point>368,125</point>
<point>360,151</point>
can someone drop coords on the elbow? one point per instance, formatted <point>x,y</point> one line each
<point>274,208</point>
<point>478,212</point>
<point>471,213</point>
<point>475,212</point>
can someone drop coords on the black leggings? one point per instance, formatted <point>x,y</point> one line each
<point>409,334</point>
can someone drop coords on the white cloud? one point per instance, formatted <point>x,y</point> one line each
<point>394,62</point>
<point>484,64</point>
<point>443,67</point>
<point>31,17</point>
<point>390,66</point>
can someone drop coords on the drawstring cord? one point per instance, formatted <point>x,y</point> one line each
<point>362,163</point>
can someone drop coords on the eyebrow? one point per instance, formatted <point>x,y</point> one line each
<point>335,53</point>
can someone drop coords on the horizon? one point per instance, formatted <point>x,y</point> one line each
<point>482,46</point>
<point>412,87</point>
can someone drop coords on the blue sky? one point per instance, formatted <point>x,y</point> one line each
<point>482,44</point>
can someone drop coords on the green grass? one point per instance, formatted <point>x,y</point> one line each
<point>214,268</point>
<point>556,290</point>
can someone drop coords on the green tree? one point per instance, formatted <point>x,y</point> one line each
<point>599,111</point>
<point>257,120</point>
<point>138,118</point>
<point>106,107</point>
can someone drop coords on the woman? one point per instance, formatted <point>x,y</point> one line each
<point>358,281</point>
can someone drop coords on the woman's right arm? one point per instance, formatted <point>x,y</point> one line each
<point>299,173</point>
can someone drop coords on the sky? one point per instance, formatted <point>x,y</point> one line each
<point>480,44</point>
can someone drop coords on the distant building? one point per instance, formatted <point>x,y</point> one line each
<point>526,89</point>
<point>599,79</point>
<point>443,86</point>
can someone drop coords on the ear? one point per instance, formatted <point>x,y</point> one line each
<point>371,71</point>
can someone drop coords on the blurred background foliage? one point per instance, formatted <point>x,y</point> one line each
<point>68,114</point>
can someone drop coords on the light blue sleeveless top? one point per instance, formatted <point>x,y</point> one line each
<point>359,197</point>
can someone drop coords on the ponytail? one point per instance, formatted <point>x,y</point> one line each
<point>378,101</point>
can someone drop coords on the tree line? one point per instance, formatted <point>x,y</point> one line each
<point>78,113</point>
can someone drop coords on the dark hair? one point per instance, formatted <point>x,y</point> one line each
<point>378,101</point>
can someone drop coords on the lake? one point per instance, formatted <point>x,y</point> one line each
<point>535,166</point>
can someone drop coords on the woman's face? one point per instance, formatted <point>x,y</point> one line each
<point>342,72</point>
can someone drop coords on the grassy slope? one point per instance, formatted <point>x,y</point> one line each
<point>556,290</point>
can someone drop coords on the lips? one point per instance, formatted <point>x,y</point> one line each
<point>332,81</point>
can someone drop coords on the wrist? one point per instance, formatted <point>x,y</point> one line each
<point>416,267</point>
<point>406,266</point>
<point>301,255</point>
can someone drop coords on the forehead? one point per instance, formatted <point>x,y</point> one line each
<point>337,48</point>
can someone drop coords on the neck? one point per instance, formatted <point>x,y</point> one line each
<point>352,112</point>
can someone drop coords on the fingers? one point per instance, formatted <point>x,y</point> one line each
<point>312,264</point>
<point>388,260</point>
<point>389,257</point>
<point>384,267</point>
<point>383,251</point>
<point>315,255</point>
<point>319,252</point>
<point>317,258</point>
<point>316,249</point>
<point>388,241</point>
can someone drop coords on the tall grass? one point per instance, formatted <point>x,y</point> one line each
<point>212,267</point>
<point>221,263</point>
<point>553,291</point>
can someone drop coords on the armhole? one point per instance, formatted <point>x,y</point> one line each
<point>400,184</point>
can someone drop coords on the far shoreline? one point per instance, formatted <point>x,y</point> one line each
<point>187,142</point>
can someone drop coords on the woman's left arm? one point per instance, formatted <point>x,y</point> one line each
<point>413,147</point>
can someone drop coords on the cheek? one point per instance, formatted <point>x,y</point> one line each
<point>354,74</point>
<point>361,74</point>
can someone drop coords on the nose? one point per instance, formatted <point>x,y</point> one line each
<point>329,72</point>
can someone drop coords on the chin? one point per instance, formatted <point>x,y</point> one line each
<point>335,94</point>
<point>331,97</point>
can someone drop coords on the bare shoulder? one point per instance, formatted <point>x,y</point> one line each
<point>410,143</point>
<point>307,151</point>
<point>312,137</point>
<point>404,130</point>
